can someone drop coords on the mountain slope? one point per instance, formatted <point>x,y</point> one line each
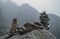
<point>55,25</point>
<point>36,34</point>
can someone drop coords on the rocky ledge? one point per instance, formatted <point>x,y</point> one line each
<point>35,34</point>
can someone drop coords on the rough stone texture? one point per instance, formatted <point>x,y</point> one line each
<point>36,34</point>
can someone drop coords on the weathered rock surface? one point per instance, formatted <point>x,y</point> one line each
<point>36,34</point>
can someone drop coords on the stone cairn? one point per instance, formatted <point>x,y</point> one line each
<point>28,27</point>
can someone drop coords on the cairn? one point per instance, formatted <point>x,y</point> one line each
<point>28,27</point>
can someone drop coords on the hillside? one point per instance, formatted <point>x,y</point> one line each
<point>55,25</point>
<point>36,34</point>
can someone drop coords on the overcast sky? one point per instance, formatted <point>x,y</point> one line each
<point>50,6</point>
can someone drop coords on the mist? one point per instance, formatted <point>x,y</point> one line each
<point>27,13</point>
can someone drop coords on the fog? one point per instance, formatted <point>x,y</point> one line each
<point>16,8</point>
<point>50,6</point>
<point>29,11</point>
<point>23,13</point>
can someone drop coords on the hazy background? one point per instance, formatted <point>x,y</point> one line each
<point>27,11</point>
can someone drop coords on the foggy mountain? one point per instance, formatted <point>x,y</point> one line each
<point>23,13</point>
<point>3,23</point>
<point>55,25</point>
<point>26,13</point>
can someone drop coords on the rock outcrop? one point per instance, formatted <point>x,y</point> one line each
<point>35,34</point>
<point>34,31</point>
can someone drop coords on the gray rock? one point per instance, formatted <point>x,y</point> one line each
<point>36,34</point>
